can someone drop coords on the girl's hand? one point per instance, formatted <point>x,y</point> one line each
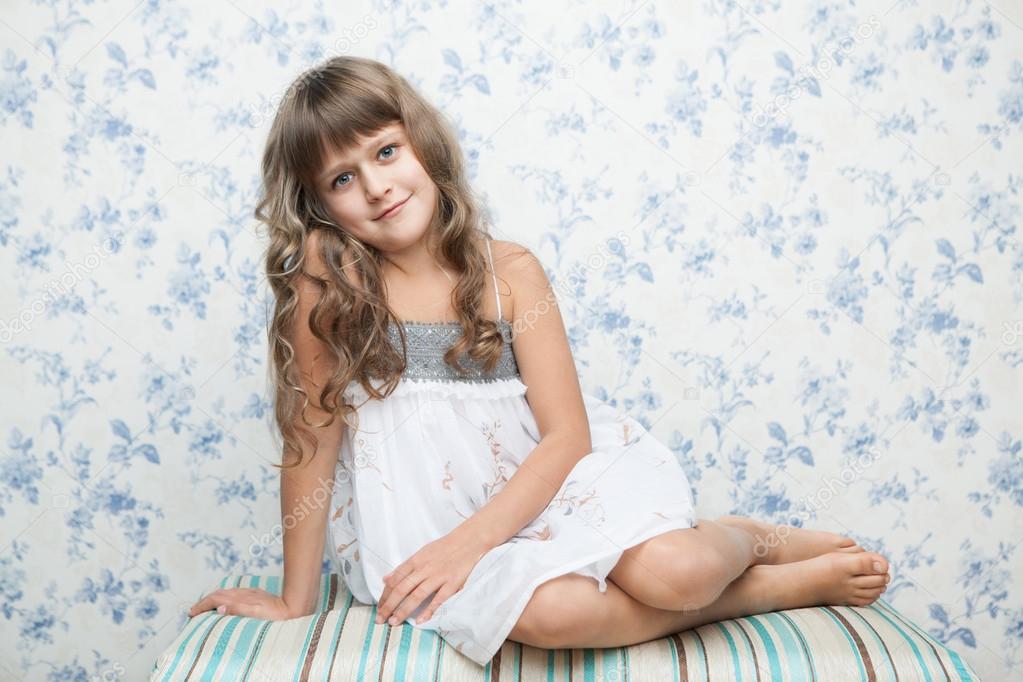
<point>444,563</point>
<point>243,601</point>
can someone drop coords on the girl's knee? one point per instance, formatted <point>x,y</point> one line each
<point>678,576</point>
<point>562,611</point>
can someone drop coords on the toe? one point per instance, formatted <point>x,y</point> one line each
<point>868,581</point>
<point>874,563</point>
<point>850,548</point>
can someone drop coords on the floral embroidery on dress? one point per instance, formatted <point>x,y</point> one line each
<point>627,431</point>
<point>500,478</point>
<point>542,534</point>
<point>586,505</point>
<point>448,476</point>
<point>364,457</point>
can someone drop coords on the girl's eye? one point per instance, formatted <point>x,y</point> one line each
<point>382,149</point>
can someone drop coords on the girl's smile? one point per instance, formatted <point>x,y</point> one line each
<point>394,210</point>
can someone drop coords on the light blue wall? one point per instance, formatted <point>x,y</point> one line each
<point>785,238</point>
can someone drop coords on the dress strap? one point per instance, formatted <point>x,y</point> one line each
<point>493,274</point>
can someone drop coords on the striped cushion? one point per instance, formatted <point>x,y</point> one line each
<point>342,642</point>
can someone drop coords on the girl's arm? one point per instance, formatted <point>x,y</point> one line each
<point>545,363</point>
<point>306,489</point>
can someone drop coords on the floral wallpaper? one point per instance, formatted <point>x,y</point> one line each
<point>784,237</point>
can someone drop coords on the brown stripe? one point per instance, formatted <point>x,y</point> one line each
<point>706,658</point>
<point>753,650</point>
<point>340,631</point>
<point>883,646</point>
<point>914,628</point>
<point>495,666</point>
<point>439,648</point>
<point>310,652</point>
<point>202,645</point>
<point>318,629</point>
<point>680,654</point>
<point>255,649</point>
<point>331,591</point>
<point>867,663</point>
<point>383,657</point>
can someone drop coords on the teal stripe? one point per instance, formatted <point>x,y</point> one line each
<point>256,649</point>
<point>792,650</point>
<point>881,644</point>
<point>325,587</point>
<point>310,627</point>
<point>849,639</point>
<point>609,659</point>
<point>217,656</point>
<point>735,651</point>
<point>912,645</point>
<point>589,666</point>
<point>673,650</point>
<point>197,632</point>
<point>233,664</point>
<point>705,664</point>
<point>960,665</point>
<point>365,646</point>
<point>181,650</point>
<point>550,666</point>
<point>425,653</point>
<point>518,661</point>
<point>802,640</point>
<point>765,637</point>
<point>336,639</point>
<point>958,662</point>
<point>403,650</point>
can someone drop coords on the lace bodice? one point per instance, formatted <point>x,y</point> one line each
<point>428,342</point>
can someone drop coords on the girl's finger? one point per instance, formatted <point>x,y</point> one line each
<point>401,590</point>
<point>414,602</point>
<point>199,607</point>
<point>442,594</point>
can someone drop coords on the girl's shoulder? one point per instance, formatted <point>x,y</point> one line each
<point>522,279</point>
<point>510,256</point>
<point>514,261</point>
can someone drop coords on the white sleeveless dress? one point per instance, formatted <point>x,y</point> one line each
<point>442,445</point>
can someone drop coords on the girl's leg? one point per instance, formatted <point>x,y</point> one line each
<point>780,544</point>
<point>685,569</point>
<point>689,568</point>
<point>569,611</point>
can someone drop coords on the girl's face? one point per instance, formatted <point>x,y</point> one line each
<point>358,185</point>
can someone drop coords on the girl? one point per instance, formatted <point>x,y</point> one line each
<point>424,380</point>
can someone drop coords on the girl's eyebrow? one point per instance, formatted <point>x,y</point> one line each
<point>372,143</point>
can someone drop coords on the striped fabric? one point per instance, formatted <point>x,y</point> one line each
<point>342,642</point>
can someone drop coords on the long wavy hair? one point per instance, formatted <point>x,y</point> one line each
<point>336,103</point>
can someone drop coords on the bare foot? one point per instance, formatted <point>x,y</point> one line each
<point>835,579</point>
<point>785,544</point>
